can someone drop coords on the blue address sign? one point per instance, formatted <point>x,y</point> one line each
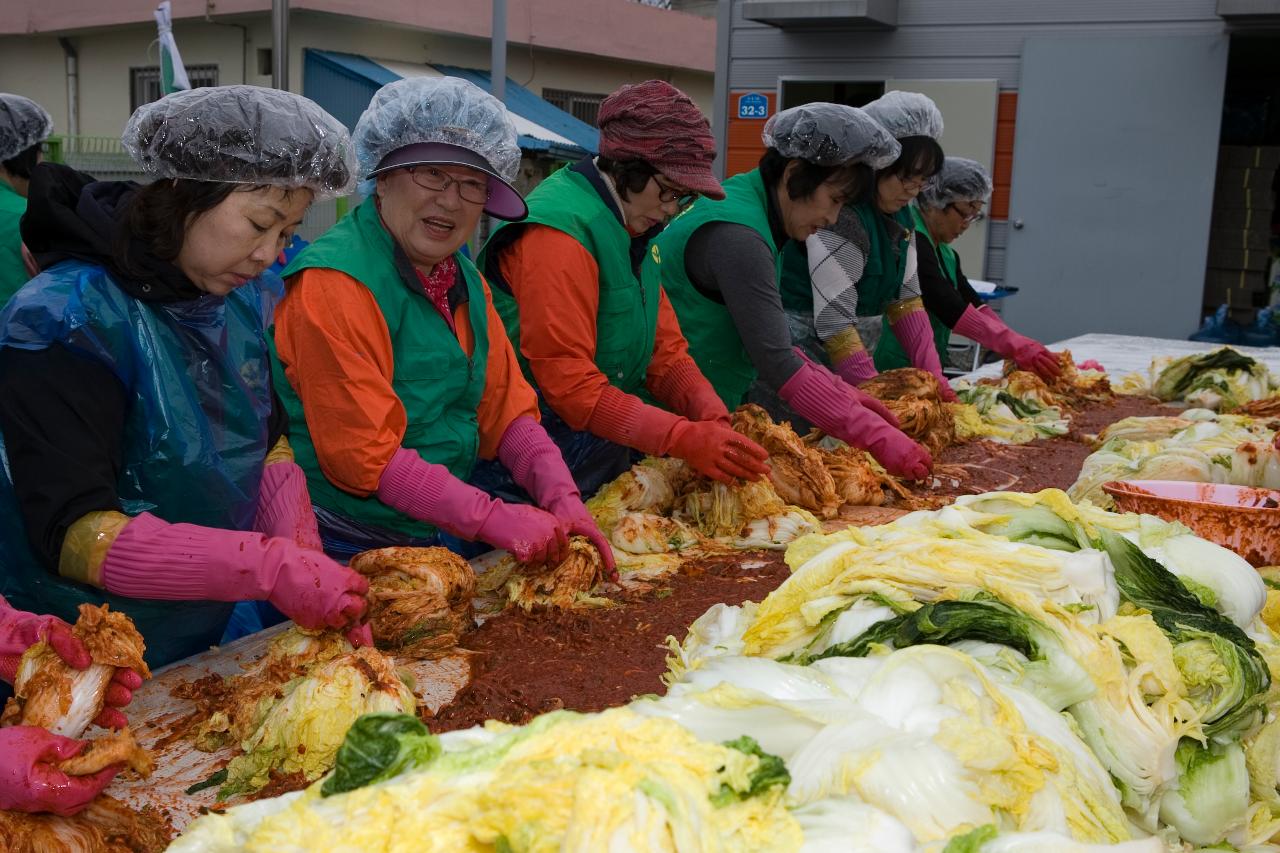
<point>753,105</point>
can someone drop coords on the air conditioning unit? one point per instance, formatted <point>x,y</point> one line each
<point>811,14</point>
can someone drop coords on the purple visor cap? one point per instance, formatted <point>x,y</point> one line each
<point>505,202</point>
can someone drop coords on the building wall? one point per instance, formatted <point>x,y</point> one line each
<point>941,40</point>
<point>533,68</point>
<point>34,65</point>
<point>621,29</point>
<point>938,39</point>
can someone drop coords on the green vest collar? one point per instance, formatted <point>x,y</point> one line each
<point>946,255</point>
<point>365,266</point>
<point>922,227</point>
<point>886,260</point>
<point>590,173</point>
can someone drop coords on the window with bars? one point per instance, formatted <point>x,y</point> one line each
<point>584,106</point>
<point>144,83</point>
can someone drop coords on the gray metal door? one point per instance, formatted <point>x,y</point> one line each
<point>1113,175</point>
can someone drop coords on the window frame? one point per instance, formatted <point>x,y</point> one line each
<point>584,106</point>
<point>145,79</point>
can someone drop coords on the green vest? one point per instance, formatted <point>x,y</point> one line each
<point>889,352</point>
<point>627,319</point>
<point>438,384</point>
<point>794,281</point>
<point>882,276</point>
<point>713,338</point>
<point>13,273</point>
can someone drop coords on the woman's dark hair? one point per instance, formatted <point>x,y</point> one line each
<point>921,157</point>
<point>155,219</point>
<point>629,176</point>
<point>21,164</point>
<point>851,179</point>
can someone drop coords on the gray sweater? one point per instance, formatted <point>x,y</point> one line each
<point>732,264</point>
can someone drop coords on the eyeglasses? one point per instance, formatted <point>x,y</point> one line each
<point>431,178</point>
<point>913,186</point>
<point>668,194</point>
<point>970,215</point>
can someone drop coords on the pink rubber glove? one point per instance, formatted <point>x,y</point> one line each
<point>361,635</point>
<point>186,562</point>
<point>716,450</point>
<point>284,506</point>
<point>687,392</point>
<point>825,401</point>
<point>1090,364</point>
<point>986,327</point>
<point>20,630</point>
<point>862,397</point>
<point>915,334</point>
<point>29,781</point>
<point>857,368</point>
<point>538,467</point>
<point>430,493</point>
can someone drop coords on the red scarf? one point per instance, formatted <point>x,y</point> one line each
<point>436,286</point>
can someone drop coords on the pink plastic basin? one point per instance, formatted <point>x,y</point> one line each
<point>1244,519</point>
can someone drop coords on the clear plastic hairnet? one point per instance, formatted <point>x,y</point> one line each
<point>829,135</point>
<point>437,109</point>
<point>23,123</point>
<point>906,114</point>
<point>959,179</point>
<point>242,135</point>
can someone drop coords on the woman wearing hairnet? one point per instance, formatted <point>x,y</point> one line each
<point>601,346</point>
<point>24,125</point>
<point>865,265</point>
<point>718,264</point>
<point>146,447</point>
<point>946,206</point>
<point>395,358</point>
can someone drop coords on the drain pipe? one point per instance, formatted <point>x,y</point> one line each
<point>73,86</point>
<point>498,52</point>
<point>280,44</point>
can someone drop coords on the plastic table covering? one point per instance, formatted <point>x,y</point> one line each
<point>179,765</point>
<point>1121,354</point>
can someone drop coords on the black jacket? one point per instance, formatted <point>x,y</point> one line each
<point>942,299</point>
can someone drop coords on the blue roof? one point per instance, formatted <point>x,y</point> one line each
<point>359,65</point>
<point>523,102</point>
<point>519,100</point>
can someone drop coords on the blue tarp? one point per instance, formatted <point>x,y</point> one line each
<point>343,83</point>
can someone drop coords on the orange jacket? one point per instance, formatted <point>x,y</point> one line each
<point>555,280</point>
<point>332,335</point>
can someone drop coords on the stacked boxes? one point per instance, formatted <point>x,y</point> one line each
<point>1240,237</point>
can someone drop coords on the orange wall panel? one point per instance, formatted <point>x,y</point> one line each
<point>1002,173</point>
<point>743,143</point>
